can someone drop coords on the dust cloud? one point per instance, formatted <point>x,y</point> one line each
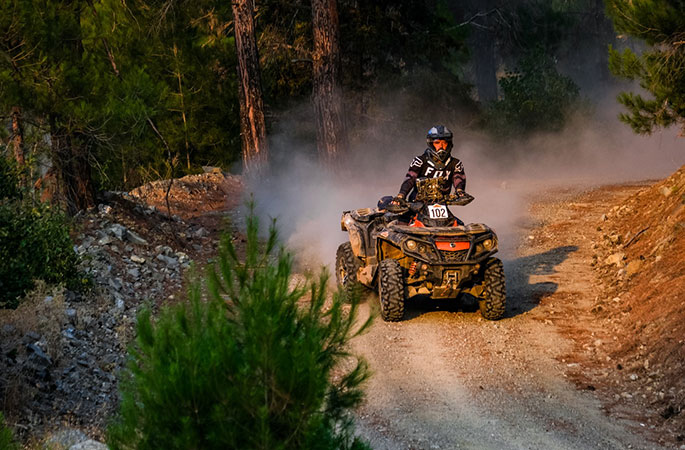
<point>307,199</point>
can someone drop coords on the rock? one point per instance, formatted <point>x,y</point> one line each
<point>135,239</point>
<point>38,361</point>
<point>182,257</point>
<point>71,315</point>
<point>69,333</point>
<point>169,261</point>
<point>137,259</point>
<point>135,273</point>
<point>633,267</point>
<point>30,338</point>
<point>616,259</point>
<point>633,377</point>
<point>89,445</point>
<point>104,209</point>
<point>118,230</point>
<point>65,439</point>
<point>71,296</point>
<point>200,233</point>
<point>164,250</point>
<point>116,283</point>
<point>604,218</point>
<point>105,240</point>
<point>211,169</point>
<point>666,191</point>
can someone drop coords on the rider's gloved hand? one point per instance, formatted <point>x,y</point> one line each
<point>398,201</point>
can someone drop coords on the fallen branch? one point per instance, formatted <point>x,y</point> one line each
<point>635,237</point>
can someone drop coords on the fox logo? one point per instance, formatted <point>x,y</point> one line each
<point>432,173</point>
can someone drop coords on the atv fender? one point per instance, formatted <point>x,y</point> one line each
<point>367,274</point>
<point>356,234</point>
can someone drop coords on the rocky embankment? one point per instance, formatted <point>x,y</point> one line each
<point>641,263</point>
<point>61,351</point>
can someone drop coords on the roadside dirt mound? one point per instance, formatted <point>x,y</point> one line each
<point>642,304</point>
<point>193,195</point>
<point>645,269</point>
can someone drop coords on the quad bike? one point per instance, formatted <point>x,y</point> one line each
<point>420,248</point>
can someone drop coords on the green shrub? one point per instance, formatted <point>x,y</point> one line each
<point>251,367</point>
<point>7,441</point>
<point>9,181</point>
<point>34,244</point>
<point>536,97</point>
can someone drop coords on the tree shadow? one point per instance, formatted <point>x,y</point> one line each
<point>522,295</point>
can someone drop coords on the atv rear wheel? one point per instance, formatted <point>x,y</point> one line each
<point>391,290</point>
<point>493,303</point>
<point>346,266</point>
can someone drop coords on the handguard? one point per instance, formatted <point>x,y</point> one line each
<point>398,206</point>
<point>461,199</point>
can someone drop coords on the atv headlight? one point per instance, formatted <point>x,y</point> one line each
<point>410,244</point>
<point>487,244</point>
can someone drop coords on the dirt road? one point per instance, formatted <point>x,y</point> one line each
<point>445,378</point>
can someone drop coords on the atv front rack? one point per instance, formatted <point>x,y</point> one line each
<point>472,228</point>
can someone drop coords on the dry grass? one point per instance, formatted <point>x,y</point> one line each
<point>41,312</point>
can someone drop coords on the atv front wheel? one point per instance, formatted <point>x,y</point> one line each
<point>346,266</point>
<point>391,290</point>
<point>493,303</point>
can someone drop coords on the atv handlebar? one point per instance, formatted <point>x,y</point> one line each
<point>404,206</point>
<point>460,200</point>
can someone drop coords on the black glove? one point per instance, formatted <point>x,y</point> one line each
<point>399,200</point>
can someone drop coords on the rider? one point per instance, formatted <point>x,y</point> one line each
<point>436,162</point>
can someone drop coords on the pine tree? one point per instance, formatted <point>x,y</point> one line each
<point>660,69</point>
<point>263,363</point>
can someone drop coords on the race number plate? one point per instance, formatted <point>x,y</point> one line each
<point>437,211</point>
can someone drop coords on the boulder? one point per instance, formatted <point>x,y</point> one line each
<point>616,259</point>
<point>633,267</point>
<point>135,239</point>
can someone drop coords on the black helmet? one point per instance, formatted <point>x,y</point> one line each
<point>439,132</point>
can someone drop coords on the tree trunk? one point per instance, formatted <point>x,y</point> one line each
<point>252,123</point>
<point>486,67</point>
<point>17,136</point>
<point>70,158</point>
<point>331,134</point>
<point>603,32</point>
<point>482,42</point>
<point>70,161</point>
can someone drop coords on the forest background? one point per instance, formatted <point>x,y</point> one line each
<point>106,95</point>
